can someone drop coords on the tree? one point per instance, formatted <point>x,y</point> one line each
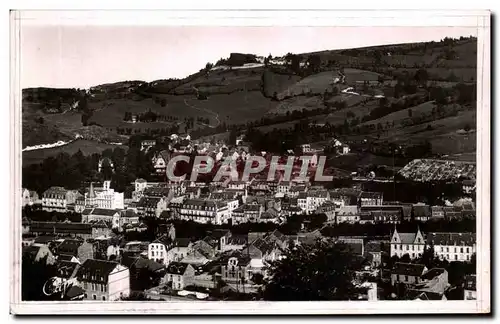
<point>314,61</point>
<point>323,271</point>
<point>421,76</point>
<point>208,66</point>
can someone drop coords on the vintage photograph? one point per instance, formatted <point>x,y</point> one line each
<point>210,163</point>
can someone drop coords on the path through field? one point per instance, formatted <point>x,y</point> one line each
<point>205,110</point>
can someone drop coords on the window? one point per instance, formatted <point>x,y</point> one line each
<point>461,250</point>
<point>103,298</point>
<point>455,249</point>
<point>94,297</point>
<point>456,257</point>
<point>468,250</point>
<point>442,249</point>
<point>85,295</point>
<point>406,278</point>
<point>447,249</point>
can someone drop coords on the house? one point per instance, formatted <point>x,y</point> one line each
<point>104,280</point>
<point>453,246</point>
<point>159,248</point>
<point>29,197</point>
<point>412,244</point>
<point>160,161</point>
<point>100,197</point>
<point>432,285</point>
<point>421,212</point>
<point>247,213</point>
<point>37,252</point>
<point>348,214</point>
<point>313,199</point>
<point>79,230</point>
<point>235,268</point>
<point>180,275</point>
<point>437,212</point>
<point>470,287</point>
<point>407,273</point>
<point>76,248</point>
<point>371,198</point>
<point>193,192</point>
<point>58,199</point>
<point>235,242</point>
<point>147,144</point>
<point>392,214</point>
<point>374,250</point>
<point>145,266</point>
<point>110,216</point>
<point>355,246</point>
<point>181,247</point>
<point>204,211</point>
<point>151,206</point>
<point>205,249</point>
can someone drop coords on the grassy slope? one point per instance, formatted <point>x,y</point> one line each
<point>87,147</point>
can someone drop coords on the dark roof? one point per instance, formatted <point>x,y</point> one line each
<point>60,228</point>
<point>409,269</point>
<point>96,270</point>
<point>164,239</point>
<point>66,269</point>
<point>218,233</point>
<point>432,273</point>
<point>371,195</point>
<point>100,212</point>
<point>74,292</point>
<point>182,242</point>
<point>44,239</point>
<point>451,238</point>
<point>237,240</point>
<point>421,210</point>
<point>151,265</point>
<point>178,268</point>
<point>65,257</point>
<point>69,246</point>
<point>148,202</point>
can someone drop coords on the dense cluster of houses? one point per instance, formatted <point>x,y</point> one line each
<point>101,267</point>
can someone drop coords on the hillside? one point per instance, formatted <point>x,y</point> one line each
<point>361,87</point>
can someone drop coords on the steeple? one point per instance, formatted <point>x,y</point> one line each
<point>91,191</point>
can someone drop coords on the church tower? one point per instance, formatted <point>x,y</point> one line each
<point>91,201</point>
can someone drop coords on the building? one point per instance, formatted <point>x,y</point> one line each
<point>104,280</point>
<point>181,247</point>
<point>152,206</point>
<point>432,286</point>
<point>421,212</point>
<point>109,216</point>
<point>101,197</point>
<point>412,244</point>
<point>247,213</point>
<point>29,197</point>
<point>371,198</point>
<point>68,229</point>
<point>235,268</point>
<point>147,144</point>
<point>36,252</point>
<point>453,246</point>
<point>180,275</point>
<point>407,273</point>
<point>347,214</point>
<point>470,287</point>
<point>158,250</point>
<point>160,161</point>
<point>58,199</point>
<point>205,211</point>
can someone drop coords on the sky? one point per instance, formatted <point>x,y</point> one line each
<point>83,56</point>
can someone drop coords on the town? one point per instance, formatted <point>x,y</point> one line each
<point>108,235</point>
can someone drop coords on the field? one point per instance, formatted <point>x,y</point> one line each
<point>242,95</point>
<point>87,147</point>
